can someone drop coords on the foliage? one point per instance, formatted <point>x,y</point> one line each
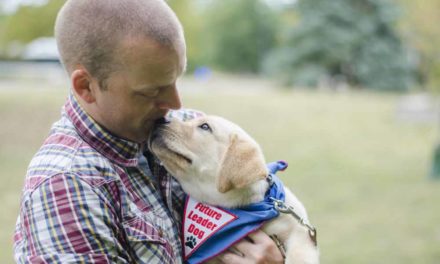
<point>240,34</point>
<point>29,23</point>
<point>352,41</point>
<point>338,41</point>
<point>420,27</point>
<point>192,18</point>
<point>3,42</point>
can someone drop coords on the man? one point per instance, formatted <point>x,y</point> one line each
<point>93,193</point>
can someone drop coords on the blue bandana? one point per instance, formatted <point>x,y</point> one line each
<point>210,230</point>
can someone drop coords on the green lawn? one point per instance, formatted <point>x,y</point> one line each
<point>361,173</point>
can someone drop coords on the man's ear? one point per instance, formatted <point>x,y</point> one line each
<point>82,85</point>
<point>243,163</point>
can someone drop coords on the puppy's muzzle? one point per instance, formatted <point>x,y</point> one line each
<point>162,121</point>
<point>158,126</point>
<point>158,136</point>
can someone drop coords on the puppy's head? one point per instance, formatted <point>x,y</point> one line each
<point>208,154</point>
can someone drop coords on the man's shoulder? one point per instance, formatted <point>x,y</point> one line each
<point>65,152</point>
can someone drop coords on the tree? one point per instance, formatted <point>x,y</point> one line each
<point>350,40</point>
<point>420,27</point>
<point>191,17</point>
<point>29,23</point>
<point>240,34</point>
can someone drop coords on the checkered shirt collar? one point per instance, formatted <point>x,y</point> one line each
<point>116,149</point>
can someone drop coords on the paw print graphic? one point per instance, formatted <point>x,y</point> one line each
<point>191,242</point>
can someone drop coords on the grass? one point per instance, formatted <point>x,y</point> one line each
<point>361,173</point>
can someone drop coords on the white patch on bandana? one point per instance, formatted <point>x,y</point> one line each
<point>200,222</point>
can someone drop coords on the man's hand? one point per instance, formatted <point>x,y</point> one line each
<point>258,247</point>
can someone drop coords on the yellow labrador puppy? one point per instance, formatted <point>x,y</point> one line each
<point>219,164</point>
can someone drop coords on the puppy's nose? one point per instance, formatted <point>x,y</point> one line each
<point>162,121</point>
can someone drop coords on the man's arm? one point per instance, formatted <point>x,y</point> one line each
<point>65,221</point>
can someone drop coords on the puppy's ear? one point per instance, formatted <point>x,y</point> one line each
<point>243,163</point>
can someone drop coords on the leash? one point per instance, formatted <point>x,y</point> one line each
<point>282,207</point>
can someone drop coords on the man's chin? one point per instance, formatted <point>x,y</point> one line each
<point>146,129</point>
<point>144,133</point>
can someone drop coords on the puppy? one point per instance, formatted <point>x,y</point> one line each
<point>219,164</point>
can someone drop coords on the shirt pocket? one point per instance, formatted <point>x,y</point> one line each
<point>147,240</point>
<point>139,229</point>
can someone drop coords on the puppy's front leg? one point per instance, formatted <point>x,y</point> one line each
<point>300,248</point>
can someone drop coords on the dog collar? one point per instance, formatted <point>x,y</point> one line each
<point>273,168</point>
<point>210,230</point>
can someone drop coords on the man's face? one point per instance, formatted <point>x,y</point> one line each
<point>143,90</point>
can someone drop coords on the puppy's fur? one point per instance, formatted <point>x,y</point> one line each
<point>218,163</point>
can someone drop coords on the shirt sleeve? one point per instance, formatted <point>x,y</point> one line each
<point>65,220</point>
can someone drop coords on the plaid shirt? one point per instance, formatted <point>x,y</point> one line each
<point>90,197</point>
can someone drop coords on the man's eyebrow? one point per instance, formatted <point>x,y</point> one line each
<point>144,89</point>
<point>151,87</point>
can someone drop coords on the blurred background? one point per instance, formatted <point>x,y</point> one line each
<point>346,91</point>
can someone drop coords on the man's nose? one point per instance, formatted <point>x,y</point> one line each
<point>170,99</point>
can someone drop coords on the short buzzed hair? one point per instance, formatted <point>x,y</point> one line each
<point>89,32</point>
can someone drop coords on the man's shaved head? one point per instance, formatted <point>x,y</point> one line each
<point>90,32</point>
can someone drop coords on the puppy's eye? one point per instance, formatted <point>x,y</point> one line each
<point>206,127</point>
